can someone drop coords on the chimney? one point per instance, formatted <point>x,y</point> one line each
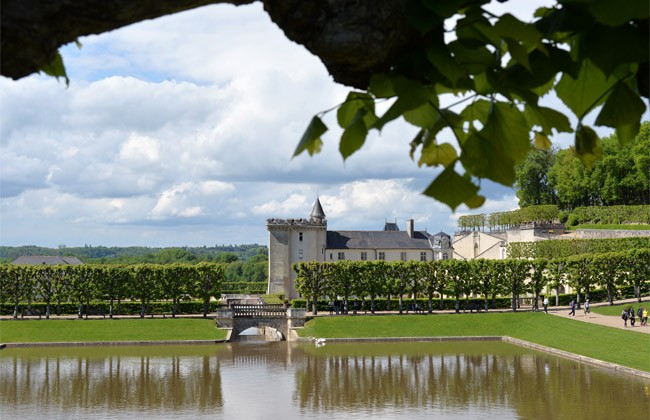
<point>409,227</point>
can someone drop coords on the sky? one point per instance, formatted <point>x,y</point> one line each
<point>180,131</point>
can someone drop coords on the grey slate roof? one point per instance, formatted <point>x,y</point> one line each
<point>46,260</point>
<point>390,226</point>
<point>317,212</point>
<point>363,239</point>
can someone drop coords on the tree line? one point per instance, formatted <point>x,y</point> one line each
<point>139,254</point>
<point>85,284</point>
<point>630,216</point>
<point>481,278</point>
<point>558,177</point>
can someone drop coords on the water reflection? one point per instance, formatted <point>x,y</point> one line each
<point>496,379</point>
<point>273,380</point>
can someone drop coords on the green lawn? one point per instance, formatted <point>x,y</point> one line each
<point>14,331</point>
<point>627,348</point>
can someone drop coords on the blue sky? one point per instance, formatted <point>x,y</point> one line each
<point>180,131</point>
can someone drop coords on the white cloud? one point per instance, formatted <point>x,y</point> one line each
<point>180,130</point>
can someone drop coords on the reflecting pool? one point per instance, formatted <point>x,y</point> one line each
<point>398,380</point>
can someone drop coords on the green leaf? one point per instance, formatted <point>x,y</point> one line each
<point>483,159</point>
<point>442,60</point>
<point>433,154</point>
<point>421,17</point>
<point>509,26</point>
<point>542,142</point>
<point>475,202</point>
<point>507,129</point>
<point>410,96</point>
<point>310,140</point>
<point>354,135</point>
<point>519,53</point>
<point>622,108</point>
<point>56,68</point>
<point>626,133</point>
<point>423,116</point>
<point>614,14</point>
<point>381,86</point>
<point>445,119</point>
<point>581,95</point>
<point>473,60</point>
<point>478,110</point>
<point>353,103</point>
<point>547,119</point>
<point>588,146</point>
<point>610,47</point>
<point>451,188</point>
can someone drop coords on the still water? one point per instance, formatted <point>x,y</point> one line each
<point>449,380</point>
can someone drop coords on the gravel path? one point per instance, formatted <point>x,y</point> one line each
<point>607,320</point>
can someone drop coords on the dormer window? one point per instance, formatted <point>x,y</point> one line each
<point>300,236</point>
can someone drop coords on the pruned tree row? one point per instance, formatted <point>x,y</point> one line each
<point>86,284</point>
<point>479,279</point>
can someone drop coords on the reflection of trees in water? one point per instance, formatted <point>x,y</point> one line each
<point>114,382</point>
<point>535,386</point>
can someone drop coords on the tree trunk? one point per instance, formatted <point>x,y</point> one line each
<point>610,297</point>
<point>353,39</point>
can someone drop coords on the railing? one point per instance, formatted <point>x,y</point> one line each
<point>258,311</point>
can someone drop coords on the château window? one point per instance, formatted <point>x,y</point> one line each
<point>423,256</point>
<point>402,256</point>
<point>341,256</point>
<point>364,256</point>
<point>382,255</point>
<point>300,254</point>
<point>300,236</point>
<point>331,257</point>
<point>445,256</point>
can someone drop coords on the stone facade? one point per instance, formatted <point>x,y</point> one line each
<point>296,240</point>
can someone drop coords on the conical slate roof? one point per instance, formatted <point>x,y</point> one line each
<point>317,212</point>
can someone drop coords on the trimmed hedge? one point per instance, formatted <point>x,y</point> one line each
<point>381,304</point>
<point>125,308</point>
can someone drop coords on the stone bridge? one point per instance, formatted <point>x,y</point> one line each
<point>272,318</point>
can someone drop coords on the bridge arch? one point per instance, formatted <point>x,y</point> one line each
<point>273,319</point>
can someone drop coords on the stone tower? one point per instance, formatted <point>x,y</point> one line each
<point>292,241</point>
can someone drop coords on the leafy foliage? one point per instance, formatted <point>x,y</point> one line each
<point>499,67</point>
<point>570,247</point>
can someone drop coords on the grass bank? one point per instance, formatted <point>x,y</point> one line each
<point>79,330</point>
<point>613,345</point>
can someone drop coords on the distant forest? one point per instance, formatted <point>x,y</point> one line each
<point>242,263</point>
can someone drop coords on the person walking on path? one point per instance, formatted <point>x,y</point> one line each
<point>587,307</point>
<point>545,304</point>
<point>572,306</point>
<point>639,314</point>
<point>630,315</point>
<point>624,316</point>
<point>644,319</point>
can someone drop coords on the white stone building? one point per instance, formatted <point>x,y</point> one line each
<point>296,240</point>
